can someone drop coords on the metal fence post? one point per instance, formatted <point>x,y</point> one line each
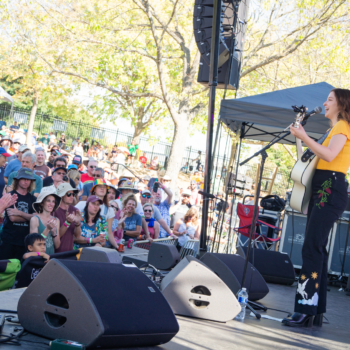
<point>78,128</point>
<point>116,137</point>
<point>188,160</point>
<point>152,152</point>
<point>41,120</point>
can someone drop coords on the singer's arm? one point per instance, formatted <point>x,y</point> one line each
<point>336,144</point>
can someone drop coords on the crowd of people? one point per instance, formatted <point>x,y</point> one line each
<point>52,202</point>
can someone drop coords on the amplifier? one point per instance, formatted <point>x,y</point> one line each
<point>292,242</point>
<point>339,253</point>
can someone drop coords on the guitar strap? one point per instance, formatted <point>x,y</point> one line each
<point>308,153</point>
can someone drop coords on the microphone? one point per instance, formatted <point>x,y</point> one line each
<point>316,110</point>
<point>209,195</point>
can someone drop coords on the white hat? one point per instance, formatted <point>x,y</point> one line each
<point>46,191</point>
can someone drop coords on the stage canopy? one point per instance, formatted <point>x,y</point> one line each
<point>265,115</point>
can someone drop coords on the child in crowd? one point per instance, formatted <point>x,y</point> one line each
<point>36,246</point>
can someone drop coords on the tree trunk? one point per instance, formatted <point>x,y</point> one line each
<point>32,118</point>
<point>177,148</point>
<point>137,133</point>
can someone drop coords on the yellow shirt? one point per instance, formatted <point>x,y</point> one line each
<point>341,162</point>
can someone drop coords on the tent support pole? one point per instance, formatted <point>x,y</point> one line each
<point>213,82</point>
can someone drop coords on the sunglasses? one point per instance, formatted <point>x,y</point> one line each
<point>146,196</point>
<point>70,194</point>
<point>115,208</point>
<point>148,210</point>
<point>92,166</point>
<point>98,176</point>
<point>186,196</point>
<point>60,173</point>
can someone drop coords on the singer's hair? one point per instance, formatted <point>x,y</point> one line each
<point>193,212</point>
<point>343,100</point>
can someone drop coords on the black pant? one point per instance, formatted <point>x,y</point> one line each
<point>328,202</point>
<point>11,251</point>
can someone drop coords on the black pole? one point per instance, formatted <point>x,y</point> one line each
<point>213,82</point>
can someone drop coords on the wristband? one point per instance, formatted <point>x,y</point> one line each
<point>38,253</point>
<point>43,235</point>
<point>90,240</point>
<point>87,240</point>
<point>67,223</point>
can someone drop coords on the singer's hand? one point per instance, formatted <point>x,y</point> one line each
<point>299,133</point>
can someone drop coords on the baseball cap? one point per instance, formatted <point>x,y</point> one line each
<point>93,199</point>
<point>17,140</point>
<point>59,168</point>
<point>23,148</point>
<point>77,159</point>
<point>4,153</point>
<point>145,192</point>
<point>72,166</point>
<point>186,192</point>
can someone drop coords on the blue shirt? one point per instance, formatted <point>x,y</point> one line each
<point>130,225</point>
<point>87,189</point>
<point>12,166</point>
<point>2,180</point>
<point>164,211</point>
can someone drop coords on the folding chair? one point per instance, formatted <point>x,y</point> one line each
<point>245,214</point>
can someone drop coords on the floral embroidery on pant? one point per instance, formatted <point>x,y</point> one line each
<point>324,193</point>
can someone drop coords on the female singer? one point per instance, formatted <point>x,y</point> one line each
<point>328,201</point>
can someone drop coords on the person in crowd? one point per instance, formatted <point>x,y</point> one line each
<point>20,134</point>
<point>44,222</point>
<point>28,161</point>
<point>126,188</point>
<point>179,210</point>
<point>57,177</point>
<point>86,145</point>
<point>145,180</point>
<point>198,160</point>
<point>17,217</point>
<point>14,126</point>
<point>41,169</point>
<point>6,201</point>
<point>3,157</point>
<point>113,193</point>
<point>132,150</point>
<point>62,141</point>
<point>165,180</point>
<point>152,180</point>
<point>114,205</point>
<point>78,149</point>
<point>120,160</point>
<point>154,163</point>
<point>94,228</point>
<point>6,142</point>
<point>98,173</point>
<point>113,153</point>
<point>86,178</point>
<point>34,138</point>
<point>163,206</point>
<point>187,228</point>
<point>78,161</point>
<point>52,156</point>
<point>45,140</point>
<point>131,220</point>
<point>14,149</point>
<point>58,163</point>
<point>75,142</point>
<point>146,197</point>
<point>52,138</point>
<point>75,176</point>
<point>36,246</point>
<point>217,186</point>
<point>143,160</point>
<point>100,189</point>
<point>15,164</point>
<point>69,217</point>
<point>153,225</point>
<point>65,155</point>
<point>195,196</point>
<point>184,169</point>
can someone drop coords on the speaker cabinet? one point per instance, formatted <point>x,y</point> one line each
<point>98,304</point>
<point>229,267</point>
<point>99,254</point>
<point>163,256</point>
<point>193,290</point>
<point>275,267</point>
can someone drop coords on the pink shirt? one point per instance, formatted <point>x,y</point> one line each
<point>195,198</point>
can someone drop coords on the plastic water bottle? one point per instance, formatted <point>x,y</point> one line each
<point>243,300</point>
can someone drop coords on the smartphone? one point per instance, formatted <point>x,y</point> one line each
<point>65,178</point>
<point>155,186</point>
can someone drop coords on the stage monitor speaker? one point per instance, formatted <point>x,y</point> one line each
<point>229,267</point>
<point>98,304</point>
<point>99,254</point>
<point>275,267</point>
<point>193,290</point>
<point>127,259</point>
<point>163,256</point>
<point>293,235</point>
<point>339,253</point>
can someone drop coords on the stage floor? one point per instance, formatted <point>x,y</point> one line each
<point>253,334</point>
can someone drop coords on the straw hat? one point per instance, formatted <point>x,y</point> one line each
<point>127,185</point>
<point>46,191</point>
<point>98,182</point>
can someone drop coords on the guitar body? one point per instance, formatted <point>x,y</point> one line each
<point>302,175</point>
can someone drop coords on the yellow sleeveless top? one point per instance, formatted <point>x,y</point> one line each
<point>341,162</point>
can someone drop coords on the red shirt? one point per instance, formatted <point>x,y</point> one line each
<point>85,178</point>
<point>143,160</point>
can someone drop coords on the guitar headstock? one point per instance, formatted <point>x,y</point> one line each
<point>301,112</point>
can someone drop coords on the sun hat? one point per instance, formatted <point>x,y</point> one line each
<point>46,191</point>
<point>6,138</point>
<point>93,199</point>
<point>115,188</point>
<point>99,182</point>
<point>186,192</point>
<point>161,173</point>
<point>146,177</point>
<point>65,187</point>
<point>166,178</point>
<point>17,140</point>
<point>24,173</point>
<point>23,148</point>
<point>4,153</point>
<point>127,185</point>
